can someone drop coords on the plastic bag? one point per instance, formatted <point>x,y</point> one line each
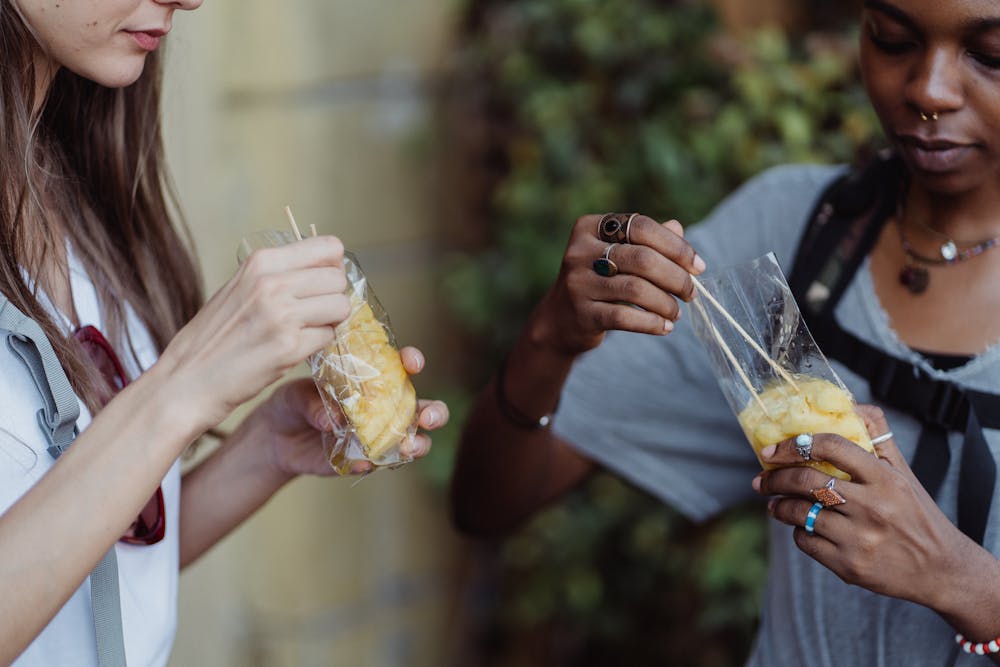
<point>772,373</point>
<point>360,376</point>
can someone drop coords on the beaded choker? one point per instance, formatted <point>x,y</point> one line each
<point>915,277</point>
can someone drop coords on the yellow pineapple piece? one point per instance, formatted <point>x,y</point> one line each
<point>818,407</point>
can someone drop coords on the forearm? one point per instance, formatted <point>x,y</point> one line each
<point>225,489</point>
<point>58,531</point>
<point>969,598</point>
<point>504,473</point>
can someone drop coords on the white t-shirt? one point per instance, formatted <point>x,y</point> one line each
<point>147,574</point>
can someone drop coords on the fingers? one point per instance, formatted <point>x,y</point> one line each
<point>665,240</point>
<point>877,426</point>
<point>842,453</point>
<point>648,263</point>
<point>432,414</point>
<point>316,251</point>
<point>413,360</point>
<point>636,291</point>
<point>798,481</point>
<point>328,309</point>
<point>623,317</point>
<point>828,522</point>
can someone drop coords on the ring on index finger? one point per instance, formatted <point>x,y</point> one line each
<point>804,446</point>
<point>616,227</point>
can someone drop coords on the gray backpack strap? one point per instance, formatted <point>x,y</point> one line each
<point>58,422</point>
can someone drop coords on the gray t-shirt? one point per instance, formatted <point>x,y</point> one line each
<point>649,409</point>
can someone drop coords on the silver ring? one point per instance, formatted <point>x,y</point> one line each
<point>804,445</point>
<point>628,228</point>
<point>882,438</point>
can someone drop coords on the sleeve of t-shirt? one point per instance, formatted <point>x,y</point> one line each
<point>648,407</point>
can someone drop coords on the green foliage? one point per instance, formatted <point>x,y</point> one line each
<point>648,106</point>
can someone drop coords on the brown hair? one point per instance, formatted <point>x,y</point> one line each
<point>88,166</point>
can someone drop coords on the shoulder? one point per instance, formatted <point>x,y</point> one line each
<point>766,214</point>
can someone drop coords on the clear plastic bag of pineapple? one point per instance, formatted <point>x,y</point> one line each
<point>360,376</point>
<point>772,373</point>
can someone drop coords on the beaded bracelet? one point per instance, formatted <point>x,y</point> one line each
<point>983,648</point>
<point>512,414</point>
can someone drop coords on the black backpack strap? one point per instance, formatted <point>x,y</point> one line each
<point>841,231</point>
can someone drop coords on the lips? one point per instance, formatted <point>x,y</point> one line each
<point>148,40</point>
<point>934,154</point>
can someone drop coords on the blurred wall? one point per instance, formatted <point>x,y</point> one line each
<point>325,105</point>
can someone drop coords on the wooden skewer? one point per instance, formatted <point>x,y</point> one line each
<point>732,358</point>
<point>312,230</point>
<point>718,306</point>
<point>291,221</point>
<point>246,246</point>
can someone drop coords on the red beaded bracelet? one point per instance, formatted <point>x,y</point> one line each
<point>983,648</point>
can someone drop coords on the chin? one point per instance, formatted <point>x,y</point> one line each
<point>118,74</point>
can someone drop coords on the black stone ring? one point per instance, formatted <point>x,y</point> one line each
<point>615,227</point>
<point>604,265</point>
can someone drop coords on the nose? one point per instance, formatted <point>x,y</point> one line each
<point>185,5</point>
<point>935,84</point>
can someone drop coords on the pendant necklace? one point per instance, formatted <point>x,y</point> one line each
<point>915,275</point>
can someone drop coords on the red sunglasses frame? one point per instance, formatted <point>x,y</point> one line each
<point>151,524</point>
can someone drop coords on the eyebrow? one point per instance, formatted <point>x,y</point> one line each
<point>975,26</point>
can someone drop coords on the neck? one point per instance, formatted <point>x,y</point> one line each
<point>969,217</point>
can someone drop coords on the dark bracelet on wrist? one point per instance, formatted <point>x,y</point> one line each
<point>509,412</point>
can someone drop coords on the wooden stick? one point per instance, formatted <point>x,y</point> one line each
<point>732,358</point>
<point>291,221</point>
<point>312,230</point>
<point>718,306</point>
<point>246,246</point>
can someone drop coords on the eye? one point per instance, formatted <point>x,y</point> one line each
<point>990,61</point>
<point>892,47</point>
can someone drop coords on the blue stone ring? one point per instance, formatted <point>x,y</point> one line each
<point>814,511</point>
<point>804,445</point>
<point>604,265</point>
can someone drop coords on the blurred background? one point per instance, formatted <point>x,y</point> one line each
<point>451,145</point>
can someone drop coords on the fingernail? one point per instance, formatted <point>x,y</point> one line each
<point>770,505</point>
<point>431,418</point>
<point>699,264</point>
<point>668,326</point>
<point>756,483</point>
<point>768,451</point>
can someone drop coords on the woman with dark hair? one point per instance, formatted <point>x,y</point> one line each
<point>895,268</point>
<point>96,280</point>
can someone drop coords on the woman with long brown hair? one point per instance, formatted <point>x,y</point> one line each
<point>90,254</point>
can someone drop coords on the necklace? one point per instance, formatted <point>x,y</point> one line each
<point>915,277</point>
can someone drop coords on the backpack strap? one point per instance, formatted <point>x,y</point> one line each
<point>57,421</point>
<point>844,225</point>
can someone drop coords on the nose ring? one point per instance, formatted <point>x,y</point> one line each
<point>928,116</point>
